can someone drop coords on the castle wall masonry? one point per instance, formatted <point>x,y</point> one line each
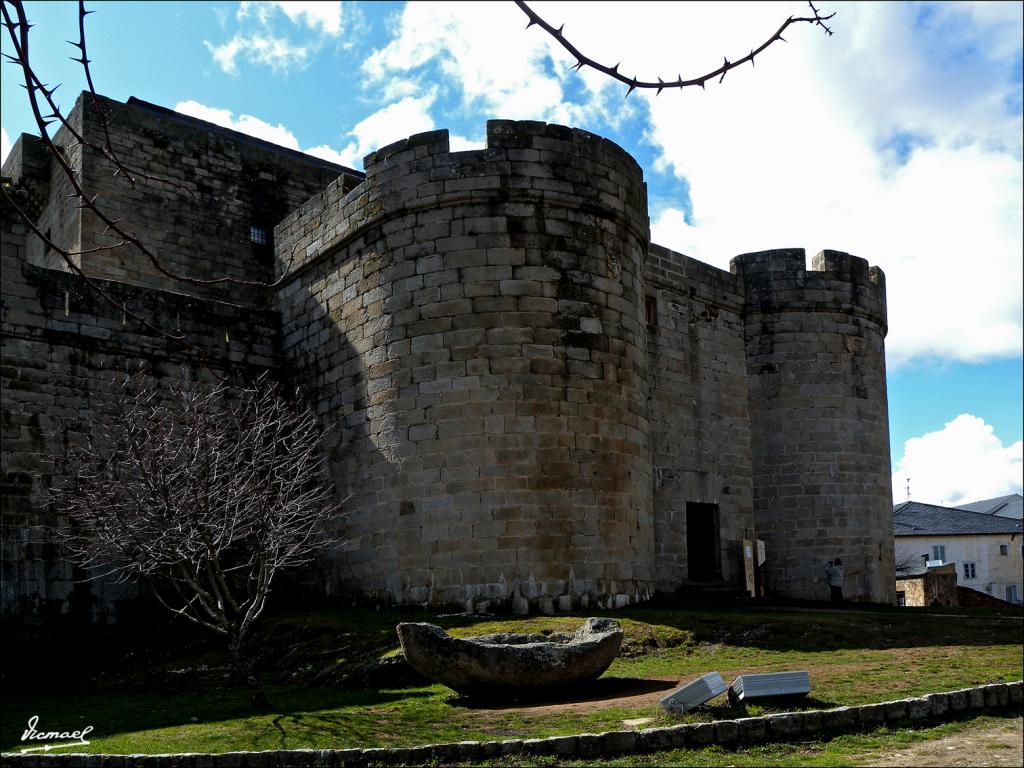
<point>479,339</point>
<point>529,403</point>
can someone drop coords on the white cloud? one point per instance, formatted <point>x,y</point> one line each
<point>5,145</point>
<point>330,154</point>
<point>247,124</point>
<point>806,151</point>
<point>323,16</point>
<point>463,143</point>
<point>392,123</point>
<point>260,42</point>
<point>963,462</point>
<point>497,68</point>
<point>278,53</point>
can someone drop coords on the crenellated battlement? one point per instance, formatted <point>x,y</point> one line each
<point>779,281</point>
<point>524,162</point>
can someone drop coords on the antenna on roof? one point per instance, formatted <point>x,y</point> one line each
<point>908,489</point>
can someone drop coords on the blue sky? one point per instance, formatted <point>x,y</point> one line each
<point>898,139</point>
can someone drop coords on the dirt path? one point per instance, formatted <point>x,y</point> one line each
<point>995,744</point>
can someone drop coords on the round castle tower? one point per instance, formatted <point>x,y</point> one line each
<point>819,420</point>
<point>472,323</point>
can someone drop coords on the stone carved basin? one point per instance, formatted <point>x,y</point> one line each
<point>509,662</point>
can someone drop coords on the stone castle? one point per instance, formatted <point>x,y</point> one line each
<point>531,405</point>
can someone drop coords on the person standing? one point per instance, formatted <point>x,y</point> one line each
<point>834,576</point>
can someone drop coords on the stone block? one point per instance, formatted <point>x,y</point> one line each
<point>918,709</point>
<point>783,726</point>
<point>230,759</point>
<point>975,698</point>
<point>655,739</point>
<point>753,730</point>
<point>990,695</point>
<point>1002,692</point>
<point>839,720</point>
<point>938,704</point>
<point>469,750</point>
<point>562,746</point>
<point>896,711</point>
<point>618,742</point>
<point>445,753</point>
<point>701,734</point>
<point>1015,692</point>
<point>419,755</point>
<point>871,716</point>
<point>957,701</point>
<point>589,745</point>
<point>511,747</point>
<point>810,722</point>
<point>488,750</point>
<point>679,735</point>
<point>727,732</point>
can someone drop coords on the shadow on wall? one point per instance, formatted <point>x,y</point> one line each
<point>486,410</point>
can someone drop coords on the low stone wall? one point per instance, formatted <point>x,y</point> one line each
<point>739,733</point>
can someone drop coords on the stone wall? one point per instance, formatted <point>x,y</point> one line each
<point>471,323</point>
<point>819,420</point>
<point>529,404</point>
<point>936,587</point>
<point>204,188</point>
<point>65,352</point>
<point>700,433</point>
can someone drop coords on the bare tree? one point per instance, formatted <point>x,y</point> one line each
<point>907,563</point>
<point>202,497</point>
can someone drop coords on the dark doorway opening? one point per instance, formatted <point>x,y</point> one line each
<point>704,556</point>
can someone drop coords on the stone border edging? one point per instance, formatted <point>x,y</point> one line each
<point>742,732</point>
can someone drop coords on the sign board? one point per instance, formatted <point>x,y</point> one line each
<point>748,567</point>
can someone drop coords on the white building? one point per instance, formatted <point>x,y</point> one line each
<point>987,549</point>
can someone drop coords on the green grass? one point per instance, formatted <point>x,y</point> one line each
<point>852,749</point>
<point>312,663</point>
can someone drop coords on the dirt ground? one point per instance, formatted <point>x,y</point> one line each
<point>997,744</point>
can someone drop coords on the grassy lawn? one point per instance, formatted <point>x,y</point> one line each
<point>316,665</point>
<point>852,749</point>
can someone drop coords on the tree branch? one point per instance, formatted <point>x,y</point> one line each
<point>633,83</point>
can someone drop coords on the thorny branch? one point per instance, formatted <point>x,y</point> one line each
<point>108,146</point>
<point>18,28</point>
<point>585,61</point>
<point>18,33</point>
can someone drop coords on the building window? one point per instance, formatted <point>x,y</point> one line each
<point>970,572</point>
<point>901,599</point>
<point>939,552</point>
<point>258,235</point>
<point>1004,550</point>
<point>1011,593</point>
<point>651,310</point>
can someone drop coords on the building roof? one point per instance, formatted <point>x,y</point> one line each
<point>912,518</point>
<point>1004,506</point>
